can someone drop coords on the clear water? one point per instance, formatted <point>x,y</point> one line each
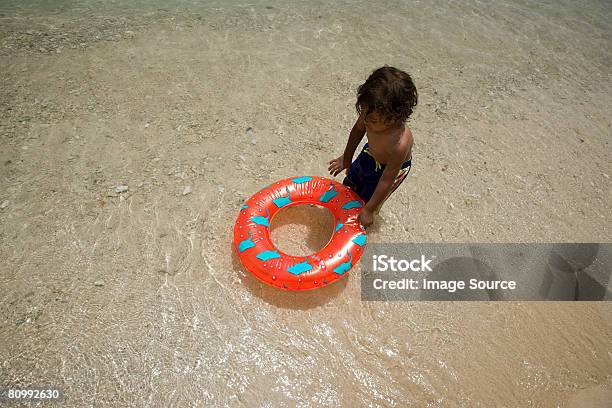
<point>141,301</point>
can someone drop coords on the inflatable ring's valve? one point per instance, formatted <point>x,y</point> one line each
<point>343,251</point>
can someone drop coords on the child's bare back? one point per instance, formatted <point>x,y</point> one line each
<point>391,144</point>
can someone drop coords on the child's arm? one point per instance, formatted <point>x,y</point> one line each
<point>383,188</point>
<point>385,183</point>
<point>344,161</point>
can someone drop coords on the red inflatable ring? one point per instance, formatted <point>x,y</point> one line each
<point>262,259</point>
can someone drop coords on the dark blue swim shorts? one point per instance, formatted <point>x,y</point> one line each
<point>365,172</point>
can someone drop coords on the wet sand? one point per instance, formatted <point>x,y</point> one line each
<point>136,298</point>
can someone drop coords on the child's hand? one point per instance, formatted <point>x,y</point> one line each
<point>366,217</point>
<point>337,165</point>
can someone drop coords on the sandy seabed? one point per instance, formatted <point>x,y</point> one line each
<point>137,299</point>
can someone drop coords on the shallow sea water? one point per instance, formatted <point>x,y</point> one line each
<point>140,300</point>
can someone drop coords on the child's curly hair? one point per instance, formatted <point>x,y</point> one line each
<point>388,91</point>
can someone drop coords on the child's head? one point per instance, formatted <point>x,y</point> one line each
<point>387,96</point>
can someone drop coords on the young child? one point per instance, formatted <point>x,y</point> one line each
<point>384,103</point>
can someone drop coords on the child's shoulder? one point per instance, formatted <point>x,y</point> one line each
<point>407,132</point>
<point>406,139</point>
